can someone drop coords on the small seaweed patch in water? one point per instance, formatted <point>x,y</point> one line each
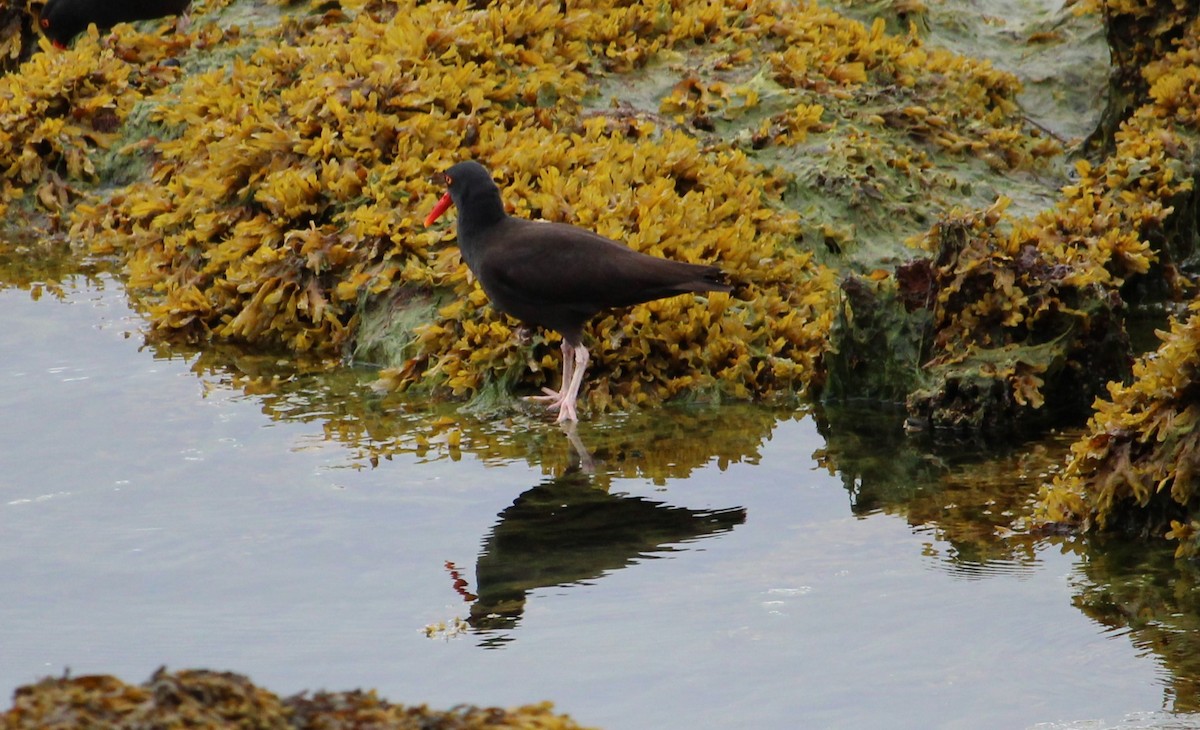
<point>448,629</point>
<point>201,698</point>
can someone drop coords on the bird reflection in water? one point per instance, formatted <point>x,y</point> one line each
<point>566,531</point>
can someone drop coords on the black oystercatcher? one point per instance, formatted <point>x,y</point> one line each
<point>62,20</point>
<point>555,275</point>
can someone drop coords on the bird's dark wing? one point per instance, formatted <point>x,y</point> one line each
<point>569,266</point>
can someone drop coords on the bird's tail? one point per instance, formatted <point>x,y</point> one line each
<point>711,279</point>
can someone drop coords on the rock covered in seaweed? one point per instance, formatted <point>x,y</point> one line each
<point>201,698</point>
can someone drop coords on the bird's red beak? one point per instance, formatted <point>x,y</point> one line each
<point>443,203</point>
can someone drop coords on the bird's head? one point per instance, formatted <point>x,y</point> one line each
<point>60,22</point>
<point>470,188</point>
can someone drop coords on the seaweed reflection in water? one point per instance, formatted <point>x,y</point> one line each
<point>567,531</point>
<point>976,498</point>
<point>1144,591</point>
<point>46,265</point>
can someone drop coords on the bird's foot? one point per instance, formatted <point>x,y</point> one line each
<point>554,400</point>
<point>551,398</point>
<point>566,412</point>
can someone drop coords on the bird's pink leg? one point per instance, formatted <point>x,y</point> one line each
<point>554,398</point>
<point>566,411</point>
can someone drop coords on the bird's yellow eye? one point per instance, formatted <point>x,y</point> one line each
<point>448,180</point>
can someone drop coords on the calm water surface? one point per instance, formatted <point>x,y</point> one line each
<point>690,568</point>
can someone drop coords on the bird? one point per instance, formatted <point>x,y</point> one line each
<point>555,275</point>
<point>62,20</point>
